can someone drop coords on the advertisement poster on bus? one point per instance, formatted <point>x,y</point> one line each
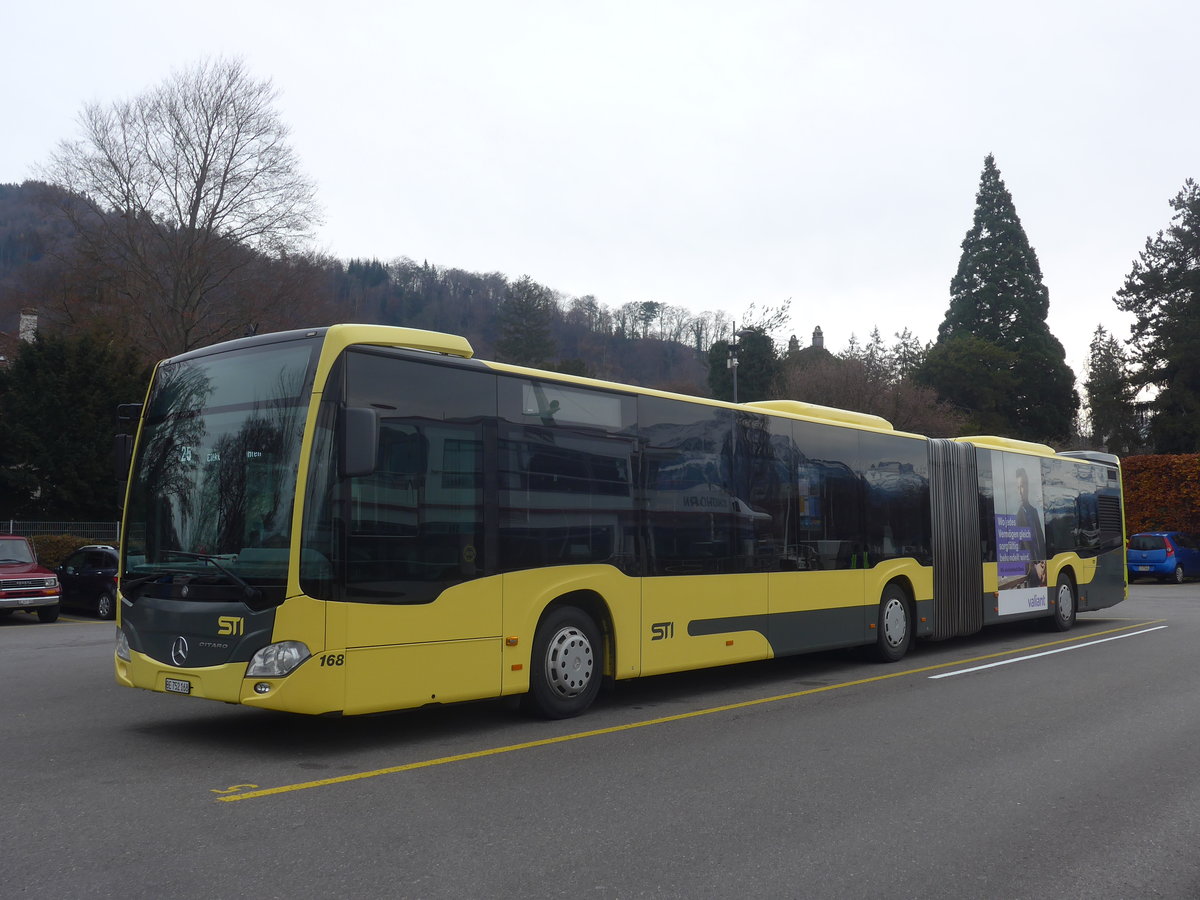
<point>1020,537</point>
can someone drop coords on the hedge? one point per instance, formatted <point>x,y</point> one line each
<point>52,549</point>
<point>1162,493</point>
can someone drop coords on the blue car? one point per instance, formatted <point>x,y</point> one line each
<point>1165,555</point>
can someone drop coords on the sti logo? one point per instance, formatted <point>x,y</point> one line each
<point>660,631</point>
<point>231,625</point>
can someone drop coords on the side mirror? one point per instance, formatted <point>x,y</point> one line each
<point>359,441</point>
<point>122,456</point>
<point>128,412</point>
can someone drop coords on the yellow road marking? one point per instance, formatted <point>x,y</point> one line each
<point>662,720</point>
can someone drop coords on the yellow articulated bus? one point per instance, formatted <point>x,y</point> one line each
<point>361,518</point>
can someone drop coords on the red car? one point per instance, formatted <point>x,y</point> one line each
<point>24,585</point>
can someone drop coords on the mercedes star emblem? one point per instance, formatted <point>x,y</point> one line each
<point>179,651</point>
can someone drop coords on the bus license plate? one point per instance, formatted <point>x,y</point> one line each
<point>179,686</point>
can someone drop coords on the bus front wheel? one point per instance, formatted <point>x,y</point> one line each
<point>895,624</point>
<point>566,666</point>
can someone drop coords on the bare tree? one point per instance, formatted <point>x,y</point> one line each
<point>721,327</point>
<point>624,318</point>
<point>698,332</point>
<point>178,195</point>
<point>850,383</point>
<point>584,312</point>
<point>648,312</point>
<point>770,320</point>
<point>675,323</point>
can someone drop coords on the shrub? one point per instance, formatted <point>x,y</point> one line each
<point>52,549</point>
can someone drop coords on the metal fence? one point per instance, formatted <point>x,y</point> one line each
<point>101,532</point>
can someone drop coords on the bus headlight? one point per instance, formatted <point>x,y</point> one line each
<point>122,646</point>
<point>277,660</point>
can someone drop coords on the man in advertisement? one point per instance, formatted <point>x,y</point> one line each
<point>1035,545</point>
<point>1021,543</point>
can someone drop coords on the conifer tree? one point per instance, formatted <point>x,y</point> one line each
<point>997,297</point>
<point>1163,292</point>
<point>58,403</point>
<point>525,318</point>
<point>1111,412</point>
<point>756,371</point>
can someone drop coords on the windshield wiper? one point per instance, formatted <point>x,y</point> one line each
<point>252,593</point>
<point>153,576</point>
<point>128,585</point>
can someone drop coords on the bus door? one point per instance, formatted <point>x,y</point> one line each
<point>420,626</point>
<point>818,600</point>
<point>703,602</point>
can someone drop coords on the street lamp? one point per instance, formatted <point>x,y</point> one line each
<point>732,362</point>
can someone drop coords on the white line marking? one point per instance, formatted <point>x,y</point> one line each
<point>1005,662</point>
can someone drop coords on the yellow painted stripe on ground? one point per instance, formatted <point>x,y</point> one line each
<point>678,717</point>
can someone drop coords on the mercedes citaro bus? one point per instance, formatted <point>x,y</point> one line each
<point>362,518</point>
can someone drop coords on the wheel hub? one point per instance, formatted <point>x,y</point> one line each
<point>1066,602</point>
<point>895,623</point>
<point>569,662</point>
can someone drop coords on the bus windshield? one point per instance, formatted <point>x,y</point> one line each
<point>214,479</point>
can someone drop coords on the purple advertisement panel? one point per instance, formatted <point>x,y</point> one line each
<point>1020,536</point>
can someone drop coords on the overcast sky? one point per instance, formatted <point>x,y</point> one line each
<point>709,155</point>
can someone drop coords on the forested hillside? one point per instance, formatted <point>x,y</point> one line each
<point>42,269</point>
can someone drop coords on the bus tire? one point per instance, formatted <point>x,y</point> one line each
<point>1063,617</point>
<point>567,664</point>
<point>895,624</point>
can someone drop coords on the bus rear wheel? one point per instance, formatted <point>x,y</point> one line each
<point>1064,604</point>
<point>894,626</point>
<point>566,666</point>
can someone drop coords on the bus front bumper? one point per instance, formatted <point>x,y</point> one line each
<point>307,689</point>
